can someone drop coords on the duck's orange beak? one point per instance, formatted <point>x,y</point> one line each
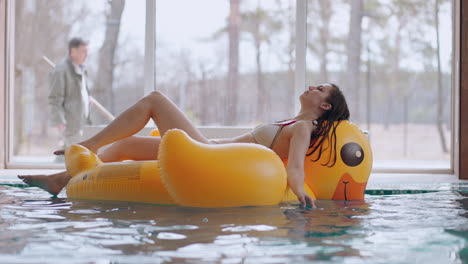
<point>348,189</point>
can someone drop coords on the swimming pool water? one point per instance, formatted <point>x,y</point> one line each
<point>420,227</point>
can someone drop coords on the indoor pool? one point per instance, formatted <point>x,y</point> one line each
<point>387,227</point>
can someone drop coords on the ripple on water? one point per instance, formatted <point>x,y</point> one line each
<point>248,228</point>
<point>170,236</point>
<point>84,211</point>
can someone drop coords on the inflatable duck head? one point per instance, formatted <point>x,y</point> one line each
<point>79,159</point>
<point>346,177</point>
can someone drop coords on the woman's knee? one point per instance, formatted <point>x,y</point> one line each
<point>154,97</point>
<point>136,148</point>
<point>116,151</point>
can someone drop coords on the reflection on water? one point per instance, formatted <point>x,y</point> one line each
<point>413,228</point>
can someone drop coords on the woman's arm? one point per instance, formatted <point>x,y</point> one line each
<point>298,145</point>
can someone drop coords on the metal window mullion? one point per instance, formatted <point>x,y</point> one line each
<point>150,47</point>
<point>301,41</point>
<point>455,135</point>
<point>9,76</point>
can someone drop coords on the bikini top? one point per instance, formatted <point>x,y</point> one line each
<point>266,134</point>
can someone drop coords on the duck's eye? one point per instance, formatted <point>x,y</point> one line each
<point>352,154</point>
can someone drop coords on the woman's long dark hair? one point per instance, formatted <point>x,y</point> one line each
<point>326,127</point>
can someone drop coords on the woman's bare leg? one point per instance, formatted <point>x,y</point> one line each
<point>155,106</point>
<point>52,183</point>
<point>132,148</point>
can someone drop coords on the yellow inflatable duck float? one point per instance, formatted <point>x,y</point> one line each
<point>191,173</point>
<point>188,173</point>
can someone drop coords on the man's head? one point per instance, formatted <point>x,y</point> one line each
<point>78,50</point>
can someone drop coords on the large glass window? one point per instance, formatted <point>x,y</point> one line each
<point>393,60</point>
<point>115,31</point>
<point>233,64</point>
<point>230,64</point>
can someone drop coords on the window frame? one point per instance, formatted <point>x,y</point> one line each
<point>456,85</point>
<point>7,47</point>
<point>3,41</point>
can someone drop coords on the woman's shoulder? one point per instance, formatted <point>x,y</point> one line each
<point>304,126</point>
<point>306,123</point>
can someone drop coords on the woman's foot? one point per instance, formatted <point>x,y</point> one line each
<point>83,143</point>
<point>51,183</point>
<point>59,152</point>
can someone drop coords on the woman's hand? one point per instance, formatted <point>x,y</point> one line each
<point>306,200</point>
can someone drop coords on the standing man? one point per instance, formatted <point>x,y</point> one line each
<point>69,94</point>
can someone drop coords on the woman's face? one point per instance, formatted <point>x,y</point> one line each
<point>317,96</point>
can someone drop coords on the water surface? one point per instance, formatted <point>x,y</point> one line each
<point>426,227</point>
